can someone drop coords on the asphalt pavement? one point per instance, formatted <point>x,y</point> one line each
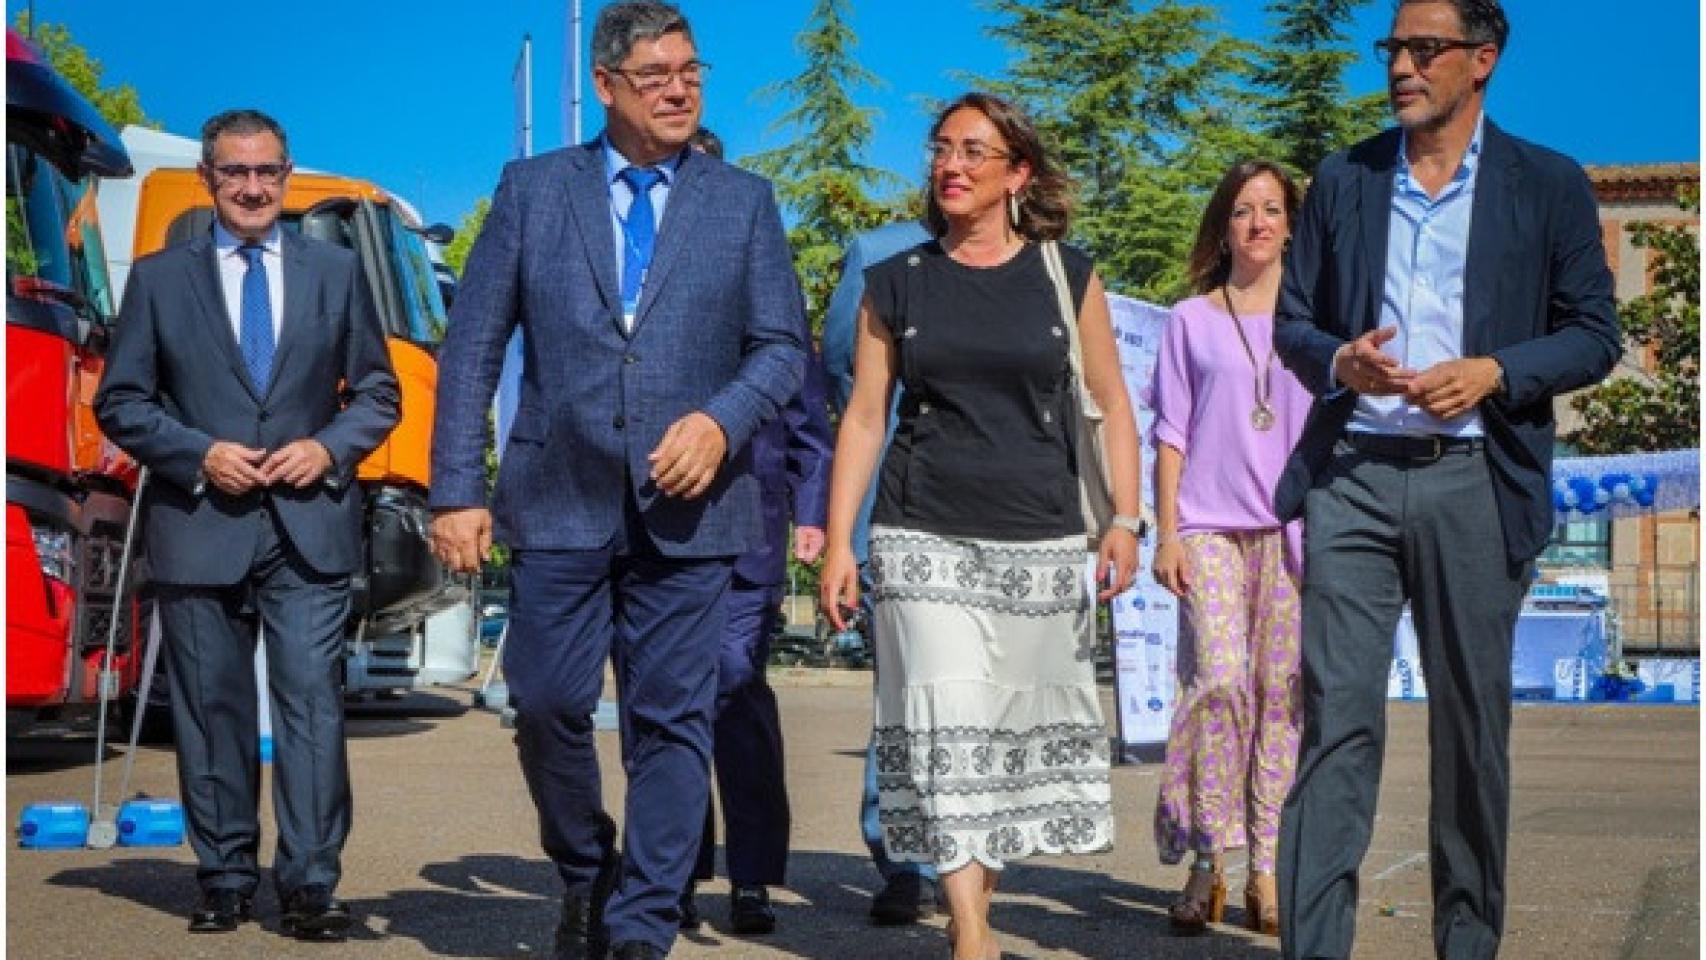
<point>444,860</point>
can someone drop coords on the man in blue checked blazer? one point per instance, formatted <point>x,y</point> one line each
<point>662,327</point>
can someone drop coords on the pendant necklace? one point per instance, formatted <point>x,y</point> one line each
<point>1262,417</point>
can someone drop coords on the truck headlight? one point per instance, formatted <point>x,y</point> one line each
<point>53,548</point>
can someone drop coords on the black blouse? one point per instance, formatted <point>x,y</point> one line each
<point>984,445</point>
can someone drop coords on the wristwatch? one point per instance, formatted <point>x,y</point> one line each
<point>1136,526</point>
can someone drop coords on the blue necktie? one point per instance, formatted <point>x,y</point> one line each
<point>639,230</point>
<point>255,322</point>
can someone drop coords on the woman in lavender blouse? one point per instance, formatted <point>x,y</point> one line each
<point>1227,415</point>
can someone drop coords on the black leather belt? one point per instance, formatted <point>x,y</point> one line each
<point>1426,449</point>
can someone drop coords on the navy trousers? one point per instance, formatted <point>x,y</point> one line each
<point>750,774</point>
<point>209,634</point>
<point>660,620</point>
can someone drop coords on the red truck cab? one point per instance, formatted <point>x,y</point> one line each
<point>68,489</point>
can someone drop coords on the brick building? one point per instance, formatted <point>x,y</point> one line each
<point>1652,564</point>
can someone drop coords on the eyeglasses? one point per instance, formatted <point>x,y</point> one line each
<point>650,80</point>
<point>972,153</point>
<point>269,174</point>
<point>1423,50</point>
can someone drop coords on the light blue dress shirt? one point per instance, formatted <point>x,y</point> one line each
<point>622,197</point>
<point>1427,245</point>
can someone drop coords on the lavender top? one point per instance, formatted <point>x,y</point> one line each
<point>1205,389</point>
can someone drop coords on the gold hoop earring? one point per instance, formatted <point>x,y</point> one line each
<point>1013,208</point>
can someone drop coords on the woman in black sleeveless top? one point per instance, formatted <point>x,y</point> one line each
<point>989,734</point>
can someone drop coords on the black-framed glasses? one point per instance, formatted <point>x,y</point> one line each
<point>271,174</point>
<point>650,80</point>
<point>972,153</point>
<point>1423,50</point>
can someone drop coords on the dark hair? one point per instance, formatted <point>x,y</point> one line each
<point>1211,262</point>
<point>621,25</point>
<point>705,141</point>
<point>240,123</point>
<point>1483,20</point>
<point>1045,206</point>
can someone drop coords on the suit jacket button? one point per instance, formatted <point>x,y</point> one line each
<point>630,358</point>
<point>619,423</point>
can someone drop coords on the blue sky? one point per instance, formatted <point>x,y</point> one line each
<point>417,96</point>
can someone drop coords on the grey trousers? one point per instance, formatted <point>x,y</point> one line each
<point>1380,532</point>
<point>209,634</point>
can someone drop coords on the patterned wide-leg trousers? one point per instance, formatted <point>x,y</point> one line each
<point>1232,746</point>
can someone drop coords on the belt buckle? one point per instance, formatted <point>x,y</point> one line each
<point>1439,449</point>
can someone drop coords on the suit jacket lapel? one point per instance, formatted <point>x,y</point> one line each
<point>298,292</point>
<point>1375,202</point>
<point>589,201</point>
<point>686,197</point>
<point>204,284</point>
<point>1492,223</point>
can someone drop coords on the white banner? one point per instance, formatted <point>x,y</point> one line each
<point>1146,617</point>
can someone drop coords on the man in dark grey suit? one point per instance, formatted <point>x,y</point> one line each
<point>1445,282</point>
<point>249,375</point>
<point>662,326</point>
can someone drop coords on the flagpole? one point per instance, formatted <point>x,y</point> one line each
<point>527,95</point>
<point>574,62</point>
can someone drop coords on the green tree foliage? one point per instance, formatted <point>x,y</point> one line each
<point>1148,103</point>
<point>1308,112</point>
<point>1145,109</point>
<point>1660,409</point>
<point>120,105</point>
<point>456,254</point>
<point>820,177</point>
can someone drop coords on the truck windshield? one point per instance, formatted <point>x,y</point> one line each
<point>35,220</point>
<point>419,285</point>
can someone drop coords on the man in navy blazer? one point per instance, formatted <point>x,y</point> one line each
<point>249,374</point>
<point>790,457</point>
<point>662,327</point>
<point>1445,281</point>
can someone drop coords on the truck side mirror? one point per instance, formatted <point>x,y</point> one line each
<point>439,233</point>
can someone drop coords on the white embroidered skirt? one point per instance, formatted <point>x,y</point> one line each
<point>989,732</point>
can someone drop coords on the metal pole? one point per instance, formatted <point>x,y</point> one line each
<point>574,61</point>
<point>106,833</point>
<point>527,96</point>
<point>1658,592</point>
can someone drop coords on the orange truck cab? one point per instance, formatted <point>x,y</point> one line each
<point>402,585</point>
<point>68,491</point>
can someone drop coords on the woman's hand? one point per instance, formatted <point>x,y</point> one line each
<point>1170,568</point>
<point>1116,562</point>
<point>838,585</point>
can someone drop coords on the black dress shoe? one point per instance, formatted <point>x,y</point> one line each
<point>635,950</point>
<point>580,930</point>
<point>689,910</point>
<point>749,911</point>
<point>312,913</point>
<point>905,898</point>
<point>220,911</point>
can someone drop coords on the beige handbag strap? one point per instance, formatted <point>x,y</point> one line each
<point>1069,315</point>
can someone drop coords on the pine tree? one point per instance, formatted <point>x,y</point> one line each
<point>1145,108</point>
<point>820,177</point>
<point>1308,113</point>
